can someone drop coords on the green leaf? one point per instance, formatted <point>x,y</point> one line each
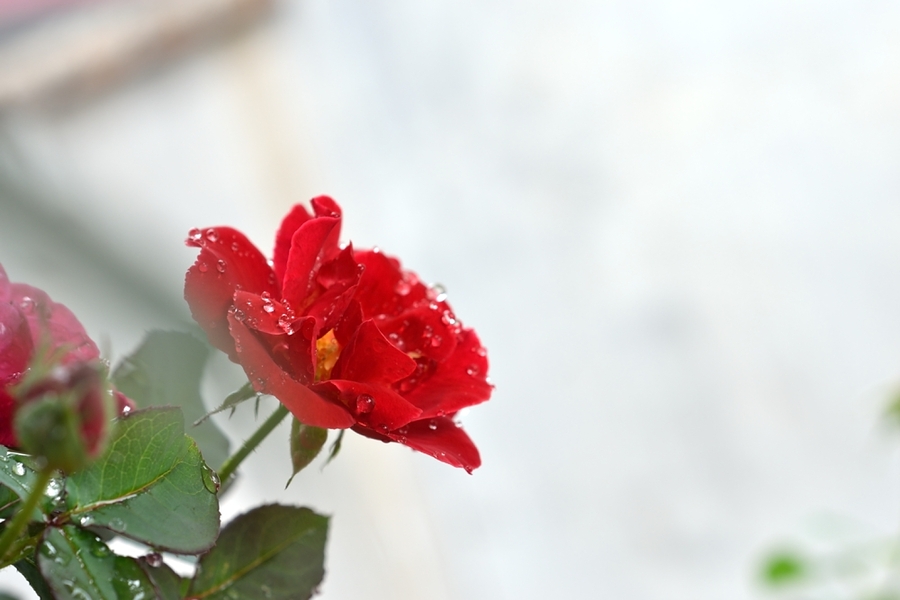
<point>274,552</point>
<point>335,447</point>
<point>782,568</point>
<point>306,443</point>
<point>245,392</point>
<point>33,576</point>
<point>166,370</point>
<point>151,486</point>
<point>77,565</point>
<point>166,582</point>
<point>8,501</point>
<point>18,476</point>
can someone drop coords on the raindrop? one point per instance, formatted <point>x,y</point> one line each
<point>403,430</point>
<point>195,235</point>
<point>439,292</point>
<point>234,246</point>
<point>432,425</point>
<point>27,304</point>
<point>154,559</point>
<point>427,331</point>
<point>202,267</point>
<point>100,550</point>
<point>48,549</point>
<point>117,525</point>
<point>211,480</point>
<point>402,288</point>
<point>481,352</point>
<point>239,315</point>
<point>212,235</point>
<point>220,266</point>
<point>125,410</point>
<point>365,404</point>
<point>19,469</point>
<point>472,370</point>
<point>383,428</point>
<point>54,488</point>
<point>436,341</point>
<point>269,308</point>
<point>86,520</point>
<point>448,318</point>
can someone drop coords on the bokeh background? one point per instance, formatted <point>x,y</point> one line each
<point>675,226</point>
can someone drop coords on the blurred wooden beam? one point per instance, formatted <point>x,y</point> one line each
<point>87,50</point>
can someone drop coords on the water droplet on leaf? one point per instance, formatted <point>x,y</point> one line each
<point>154,559</point>
<point>19,469</point>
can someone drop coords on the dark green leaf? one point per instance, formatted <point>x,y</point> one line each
<point>166,582</point>
<point>33,576</point>
<point>17,475</point>
<point>151,486</point>
<point>273,552</point>
<point>335,447</point>
<point>8,501</point>
<point>78,566</point>
<point>166,371</point>
<point>5,596</point>
<point>306,443</point>
<point>245,392</point>
<point>783,567</point>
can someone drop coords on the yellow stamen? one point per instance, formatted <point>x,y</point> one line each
<point>327,352</point>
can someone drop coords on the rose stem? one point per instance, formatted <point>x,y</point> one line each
<point>23,517</point>
<point>232,462</point>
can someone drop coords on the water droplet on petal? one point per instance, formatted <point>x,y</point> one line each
<point>220,266</point>
<point>402,288</point>
<point>436,341</point>
<point>27,304</point>
<point>432,425</point>
<point>448,318</point>
<point>365,404</point>
<point>234,246</point>
<point>212,235</point>
<point>481,352</point>
<point>196,236</point>
<point>269,308</point>
<point>202,267</point>
<point>472,370</point>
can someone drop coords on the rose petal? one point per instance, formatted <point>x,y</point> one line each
<point>441,438</point>
<point>5,292</point>
<point>429,329</point>
<point>325,206</point>
<point>369,357</point>
<point>375,406</point>
<point>267,377</point>
<point>338,279</point>
<point>307,253</point>
<point>227,262</point>
<point>384,288</point>
<point>7,412</point>
<point>349,322</point>
<point>16,344</point>
<point>291,223</point>
<point>456,383</point>
<point>53,324</point>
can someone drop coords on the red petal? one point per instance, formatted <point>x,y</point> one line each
<point>227,262</point>
<point>7,412</point>
<point>291,223</point>
<point>374,406</point>
<point>338,278</point>
<point>348,323</point>
<point>456,383</point>
<point>268,378</point>
<point>307,253</point>
<point>441,438</point>
<point>54,324</point>
<point>384,288</point>
<point>325,206</point>
<point>369,357</point>
<point>16,344</point>
<point>429,329</point>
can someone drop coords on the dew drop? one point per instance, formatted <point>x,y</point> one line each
<point>234,246</point>
<point>48,549</point>
<point>54,487</point>
<point>86,520</point>
<point>154,559</point>
<point>100,550</point>
<point>195,235</point>
<point>383,428</point>
<point>439,292</point>
<point>448,318</point>
<point>472,370</point>
<point>432,425</point>
<point>269,308</point>
<point>436,341</point>
<point>211,480</point>
<point>403,430</point>
<point>365,404</point>
<point>212,235</point>
<point>220,266</point>
<point>19,469</point>
<point>202,267</point>
<point>27,304</point>
<point>481,352</point>
<point>402,288</point>
<point>427,332</point>
<point>117,525</point>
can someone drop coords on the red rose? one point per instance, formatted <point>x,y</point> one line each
<point>342,338</point>
<point>30,322</point>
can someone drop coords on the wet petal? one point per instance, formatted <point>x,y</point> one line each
<point>267,377</point>
<point>53,324</point>
<point>441,438</point>
<point>7,412</point>
<point>325,206</point>
<point>308,249</point>
<point>375,406</point>
<point>429,329</point>
<point>385,289</point>
<point>227,262</point>
<point>370,357</point>
<point>16,344</point>
<point>349,322</point>
<point>337,279</point>
<point>456,383</point>
<point>291,223</point>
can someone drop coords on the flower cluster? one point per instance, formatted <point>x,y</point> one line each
<point>344,338</point>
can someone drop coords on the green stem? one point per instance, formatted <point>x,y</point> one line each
<point>233,462</point>
<point>23,517</point>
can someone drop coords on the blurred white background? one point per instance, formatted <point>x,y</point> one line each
<point>675,226</point>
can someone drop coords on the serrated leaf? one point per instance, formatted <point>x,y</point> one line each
<point>306,443</point>
<point>76,564</point>
<point>151,485</point>
<point>34,578</point>
<point>167,583</point>
<point>166,370</point>
<point>242,394</point>
<point>274,552</point>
